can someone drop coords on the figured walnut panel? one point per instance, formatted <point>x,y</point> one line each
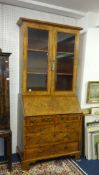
<point>47,105</point>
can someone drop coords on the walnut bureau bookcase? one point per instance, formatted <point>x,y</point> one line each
<point>50,119</point>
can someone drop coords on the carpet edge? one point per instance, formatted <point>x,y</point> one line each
<point>79,167</point>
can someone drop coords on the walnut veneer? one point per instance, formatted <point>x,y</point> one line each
<point>50,119</point>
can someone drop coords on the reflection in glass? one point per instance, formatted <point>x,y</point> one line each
<point>37,63</point>
<point>65,61</point>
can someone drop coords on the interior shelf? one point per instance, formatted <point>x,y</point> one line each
<point>64,74</point>
<point>37,50</point>
<point>59,54</point>
<point>64,54</point>
<point>45,73</point>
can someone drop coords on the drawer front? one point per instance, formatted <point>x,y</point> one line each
<point>66,147</point>
<point>51,151</point>
<point>36,129</point>
<point>68,132</point>
<point>66,118</point>
<point>40,138</point>
<point>40,152</point>
<point>39,120</point>
<point>62,127</point>
<point>69,136</point>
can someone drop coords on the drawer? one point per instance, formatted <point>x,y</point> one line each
<point>33,140</point>
<point>67,131</point>
<point>59,127</point>
<point>68,136</point>
<point>66,148</point>
<point>40,152</point>
<point>39,120</point>
<point>36,129</point>
<point>66,118</point>
<point>50,150</point>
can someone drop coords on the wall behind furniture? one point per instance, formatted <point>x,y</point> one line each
<point>9,37</point>
<point>1,143</point>
<point>88,69</point>
<point>0,26</point>
<point>81,64</point>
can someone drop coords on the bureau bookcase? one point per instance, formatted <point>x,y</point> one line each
<point>50,119</point>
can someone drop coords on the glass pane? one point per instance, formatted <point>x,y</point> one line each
<point>65,61</point>
<point>37,63</point>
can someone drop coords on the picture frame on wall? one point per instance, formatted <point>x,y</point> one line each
<point>93,92</point>
<point>98,150</point>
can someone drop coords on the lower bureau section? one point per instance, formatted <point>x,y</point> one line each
<point>51,151</point>
<point>50,136</point>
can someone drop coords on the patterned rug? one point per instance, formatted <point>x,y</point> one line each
<point>53,167</point>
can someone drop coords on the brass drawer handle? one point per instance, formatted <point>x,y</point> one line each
<point>65,147</point>
<point>32,121</point>
<point>62,118</point>
<point>67,126</point>
<point>40,151</point>
<point>46,119</point>
<point>42,129</point>
<point>42,140</point>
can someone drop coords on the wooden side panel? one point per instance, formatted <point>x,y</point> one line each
<point>20,129</point>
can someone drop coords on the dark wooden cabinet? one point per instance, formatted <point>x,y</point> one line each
<point>5,131</point>
<point>4,91</point>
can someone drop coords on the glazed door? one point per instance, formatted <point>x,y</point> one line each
<point>65,62</point>
<point>38,60</point>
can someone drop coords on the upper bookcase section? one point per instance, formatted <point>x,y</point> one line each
<point>49,54</point>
